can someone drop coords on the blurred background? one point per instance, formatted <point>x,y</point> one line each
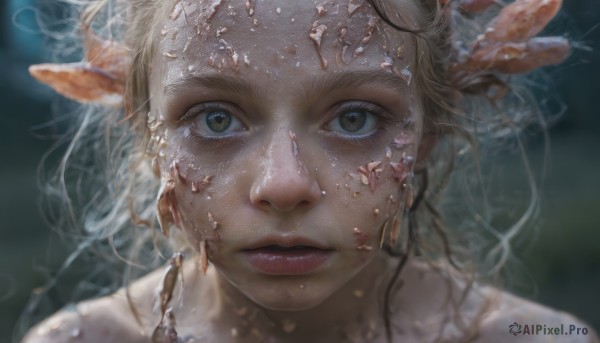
<point>560,269</point>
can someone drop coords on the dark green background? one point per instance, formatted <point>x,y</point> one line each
<point>563,262</point>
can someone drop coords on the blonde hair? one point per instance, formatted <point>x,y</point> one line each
<point>105,189</point>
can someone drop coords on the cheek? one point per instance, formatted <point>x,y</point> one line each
<point>371,197</point>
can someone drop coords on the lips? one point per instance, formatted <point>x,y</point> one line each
<point>287,256</point>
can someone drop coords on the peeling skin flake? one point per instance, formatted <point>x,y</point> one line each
<point>353,5</point>
<point>176,11</point>
<point>316,35</point>
<point>212,222</point>
<point>321,10</point>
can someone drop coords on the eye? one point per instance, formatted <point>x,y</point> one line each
<point>355,119</point>
<point>213,120</point>
<point>218,121</point>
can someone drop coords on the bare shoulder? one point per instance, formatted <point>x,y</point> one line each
<point>107,319</point>
<point>515,319</point>
<point>100,320</point>
<point>445,305</point>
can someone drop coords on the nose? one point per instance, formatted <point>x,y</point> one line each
<point>284,183</point>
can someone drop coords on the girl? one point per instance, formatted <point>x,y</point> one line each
<point>295,156</point>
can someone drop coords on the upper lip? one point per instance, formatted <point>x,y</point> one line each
<point>286,242</point>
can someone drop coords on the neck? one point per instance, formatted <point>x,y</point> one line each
<point>355,309</point>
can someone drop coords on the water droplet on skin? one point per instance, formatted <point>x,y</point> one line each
<point>388,153</point>
<point>387,64</point>
<point>278,10</point>
<point>246,60</point>
<point>358,293</point>
<point>234,332</point>
<point>301,286</point>
<point>358,51</point>
<point>249,7</point>
<point>323,193</point>
<point>235,59</point>
<point>220,31</point>
<point>75,333</point>
<point>167,54</point>
<point>212,222</point>
<point>376,211</point>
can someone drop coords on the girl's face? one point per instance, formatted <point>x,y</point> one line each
<point>290,128</point>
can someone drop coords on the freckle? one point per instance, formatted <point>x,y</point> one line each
<point>358,293</point>
<point>242,311</point>
<point>257,333</point>
<point>288,326</point>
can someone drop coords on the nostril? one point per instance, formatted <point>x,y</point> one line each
<point>303,203</point>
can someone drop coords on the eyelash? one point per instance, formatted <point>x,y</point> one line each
<point>382,116</point>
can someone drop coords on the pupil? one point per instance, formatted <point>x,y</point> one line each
<point>352,121</point>
<point>218,121</point>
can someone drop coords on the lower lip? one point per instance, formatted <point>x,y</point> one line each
<point>287,262</point>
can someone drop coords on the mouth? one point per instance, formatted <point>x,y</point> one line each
<point>287,258</point>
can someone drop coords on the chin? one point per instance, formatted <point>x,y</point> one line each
<point>289,296</point>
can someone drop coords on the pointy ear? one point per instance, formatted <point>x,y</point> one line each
<point>81,82</point>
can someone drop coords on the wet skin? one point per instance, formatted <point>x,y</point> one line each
<point>282,134</point>
<point>261,142</point>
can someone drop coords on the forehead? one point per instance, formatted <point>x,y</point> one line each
<point>275,39</point>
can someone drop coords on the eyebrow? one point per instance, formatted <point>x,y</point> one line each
<point>315,86</point>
